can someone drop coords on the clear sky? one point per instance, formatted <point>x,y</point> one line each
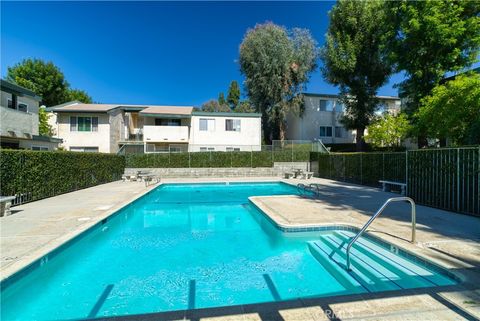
<point>164,53</point>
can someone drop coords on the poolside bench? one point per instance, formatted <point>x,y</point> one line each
<point>5,203</point>
<point>385,185</point>
<point>306,175</point>
<point>289,175</point>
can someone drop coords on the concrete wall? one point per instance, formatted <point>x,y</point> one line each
<point>100,139</point>
<point>19,122</point>
<point>278,170</point>
<point>117,129</point>
<point>248,138</point>
<point>28,144</point>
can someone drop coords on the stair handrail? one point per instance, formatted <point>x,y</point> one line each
<point>380,210</point>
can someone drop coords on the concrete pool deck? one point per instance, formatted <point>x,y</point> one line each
<point>449,239</point>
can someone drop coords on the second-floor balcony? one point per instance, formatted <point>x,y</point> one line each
<point>168,134</point>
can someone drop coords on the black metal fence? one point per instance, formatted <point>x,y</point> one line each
<point>446,178</point>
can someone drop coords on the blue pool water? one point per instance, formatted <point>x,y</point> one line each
<point>196,246</point>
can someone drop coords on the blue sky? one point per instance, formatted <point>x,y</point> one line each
<point>181,53</point>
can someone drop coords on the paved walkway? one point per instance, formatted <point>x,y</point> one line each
<point>449,239</point>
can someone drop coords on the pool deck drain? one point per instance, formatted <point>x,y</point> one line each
<point>448,239</point>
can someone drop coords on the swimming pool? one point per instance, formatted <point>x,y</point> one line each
<point>187,246</point>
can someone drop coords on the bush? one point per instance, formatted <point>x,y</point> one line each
<point>44,174</point>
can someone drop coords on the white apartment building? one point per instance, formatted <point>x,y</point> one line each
<point>19,119</point>
<point>111,128</point>
<point>321,119</point>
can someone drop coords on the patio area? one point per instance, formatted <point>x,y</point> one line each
<point>448,239</point>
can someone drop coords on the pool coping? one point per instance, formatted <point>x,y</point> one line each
<point>412,254</point>
<point>40,255</point>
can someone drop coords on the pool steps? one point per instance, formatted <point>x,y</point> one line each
<point>373,267</point>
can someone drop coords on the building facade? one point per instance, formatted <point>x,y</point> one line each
<point>19,121</point>
<point>320,119</point>
<point>153,129</point>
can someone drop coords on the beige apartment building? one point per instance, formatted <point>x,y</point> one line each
<point>321,119</point>
<point>19,120</point>
<point>109,128</point>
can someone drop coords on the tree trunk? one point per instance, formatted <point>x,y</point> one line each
<point>443,142</point>
<point>360,139</point>
<point>281,128</point>
<point>422,141</point>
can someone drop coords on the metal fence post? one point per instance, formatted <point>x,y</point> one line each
<point>458,180</point>
<point>406,173</point>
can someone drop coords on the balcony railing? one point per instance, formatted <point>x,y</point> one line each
<point>167,134</point>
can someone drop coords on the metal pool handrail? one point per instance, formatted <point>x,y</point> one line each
<point>364,228</point>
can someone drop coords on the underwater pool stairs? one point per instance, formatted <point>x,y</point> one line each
<point>373,268</point>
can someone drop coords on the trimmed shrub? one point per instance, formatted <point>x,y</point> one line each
<point>37,174</point>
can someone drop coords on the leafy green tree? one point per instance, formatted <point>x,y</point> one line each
<point>43,78</point>
<point>429,38</point>
<point>245,107</point>
<point>44,127</point>
<point>213,106</point>
<point>276,63</point>
<point>355,61</point>
<point>388,130</point>
<point>221,99</point>
<point>79,95</point>
<point>452,111</point>
<point>233,96</point>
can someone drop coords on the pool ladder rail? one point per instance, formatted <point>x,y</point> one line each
<point>380,211</point>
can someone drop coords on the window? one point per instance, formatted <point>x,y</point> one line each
<point>22,107</point>
<point>167,122</point>
<point>232,149</point>
<point>207,124</point>
<point>203,149</point>
<point>84,149</point>
<point>326,105</point>
<point>83,124</point>
<point>338,131</point>
<point>232,125</point>
<point>339,107</point>
<point>325,131</point>
<point>39,148</point>
<point>210,149</point>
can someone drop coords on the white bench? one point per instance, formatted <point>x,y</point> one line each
<point>403,186</point>
<point>5,202</point>
<point>306,175</point>
<point>289,175</point>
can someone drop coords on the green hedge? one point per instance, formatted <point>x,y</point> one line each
<point>215,159</point>
<point>361,168</point>
<point>37,174</point>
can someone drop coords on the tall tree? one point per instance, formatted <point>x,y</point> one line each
<point>452,111</point>
<point>233,96</point>
<point>355,60</point>
<point>221,99</point>
<point>276,63</point>
<point>429,38</point>
<point>43,78</point>
<point>79,95</point>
